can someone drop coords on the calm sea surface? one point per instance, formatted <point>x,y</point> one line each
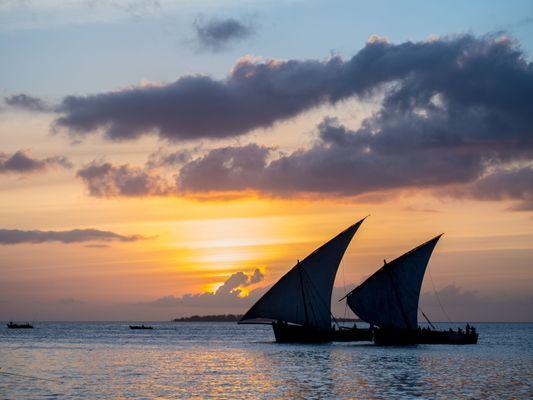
<point>225,360</point>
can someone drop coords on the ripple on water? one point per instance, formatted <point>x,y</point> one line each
<point>108,361</point>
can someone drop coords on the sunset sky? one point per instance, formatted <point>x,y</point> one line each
<point>165,158</point>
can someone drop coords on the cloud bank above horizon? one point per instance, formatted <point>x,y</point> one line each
<point>454,112</point>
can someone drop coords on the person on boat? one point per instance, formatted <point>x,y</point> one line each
<point>473,330</point>
<point>467,328</point>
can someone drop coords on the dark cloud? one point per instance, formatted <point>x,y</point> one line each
<point>218,34</point>
<point>104,179</point>
<point>227,169</point>
<point>444,123</point>
<point>487,77</point>
<point>508,184</point>
<point>29,103</point>
<point>454,112</point>
<point>22,162</point>
<point>16,236</point>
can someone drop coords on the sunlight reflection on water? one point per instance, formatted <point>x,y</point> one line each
<point>201,360</point>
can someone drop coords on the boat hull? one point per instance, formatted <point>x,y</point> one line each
<point>352,335</point>
<point>286,333</point>
<point>19,326</point>
<point>402,337</point>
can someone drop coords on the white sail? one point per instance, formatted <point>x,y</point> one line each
<point>303,295</point>
<point>389,298</point>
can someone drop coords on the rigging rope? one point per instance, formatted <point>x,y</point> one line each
<point>344,285</point>
<point>437,296</point>
<point>426,317</point>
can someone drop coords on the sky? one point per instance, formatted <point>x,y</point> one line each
<point>163,158</point>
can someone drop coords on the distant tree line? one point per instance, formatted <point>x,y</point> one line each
<point>210,318</point>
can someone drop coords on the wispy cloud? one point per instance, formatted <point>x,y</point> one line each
<point>217,34</point>
<point>17,236</point>
<point>23,162</point>
<point>27,102</point>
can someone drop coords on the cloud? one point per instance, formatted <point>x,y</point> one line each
<point>488,77</point>
<point>513,184</point>
<point>460,304</point>
<point>16,236</point>
<point>22,162</point>
<point>232,283</point>
<point>29,103</point>
<point>161,158</point>
<point>218,34</point>
<point>389,151</point>
<point>229,295</point>
<point>226,169</point>
<point>256,277</point>
<point>446,123</point>
<point>455,112</point>
<point>239,279</point>
<point>104,179</point>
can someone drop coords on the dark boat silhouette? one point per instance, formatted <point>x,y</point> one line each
<point>389,300</point>
<point>12,325</point>
<point>140,327</point>
<point>298,306</point>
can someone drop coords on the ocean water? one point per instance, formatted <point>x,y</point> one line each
<point>225,360</point>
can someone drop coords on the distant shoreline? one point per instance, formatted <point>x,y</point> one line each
<point>233,318</point>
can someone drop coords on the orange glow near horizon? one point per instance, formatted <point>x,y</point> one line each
<point>193,247</point>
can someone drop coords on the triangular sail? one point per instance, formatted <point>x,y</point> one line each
<point>303,295</point>
<point>389,298</point>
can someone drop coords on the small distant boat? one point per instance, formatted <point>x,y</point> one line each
<point>298,306</point>
<point>12,325</point>
<point>388,301</point>
<point>140,327</point>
